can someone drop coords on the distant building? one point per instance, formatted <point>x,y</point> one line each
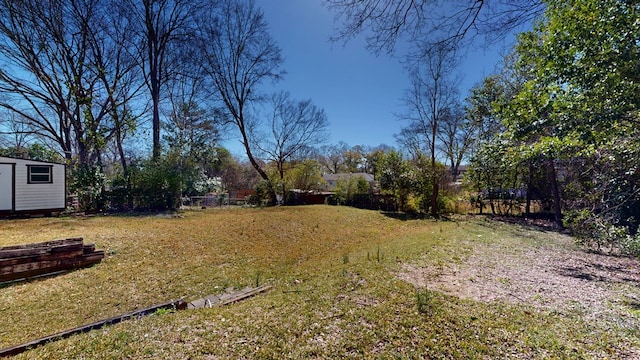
<point>332,180</point>
<point>462,169</point>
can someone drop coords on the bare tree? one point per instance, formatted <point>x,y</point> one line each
<point>432,96</point>
<point>456,137</point>
<point>341,157</point>
<point>162,25</point>
<point>239,55</point>
<point>331,157</point>
<point>429,21</point>
<point>14,132</point>
<point>121,76</point>
<point>354,159</point>
<point>54,73</point>
<point>294,126</point>
<point>188,125</point>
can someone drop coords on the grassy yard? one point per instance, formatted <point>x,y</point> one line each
<point>347,283</point>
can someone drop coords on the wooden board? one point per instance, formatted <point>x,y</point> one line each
<point>26,270</point>
<point>36,259</point>
<point>226,299</point>
<point>42,244</point>
<point>15,350</point>
<point>39,248</point>
<point>60,253</point>
<point>223,299</point>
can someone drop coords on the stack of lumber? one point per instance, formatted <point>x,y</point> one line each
<point>38,259</point>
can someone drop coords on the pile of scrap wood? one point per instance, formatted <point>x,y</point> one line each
<point>39,259</point>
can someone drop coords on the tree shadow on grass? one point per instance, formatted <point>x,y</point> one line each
<point>399,215</point>
<point>408,216</point>
<point>532,222</point>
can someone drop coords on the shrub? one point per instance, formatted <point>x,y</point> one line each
<point>148,186</point>
<point>88,183</point>
<point>261,197</point>
<point>156,187</point>
<point>597,233</point>
<point>119,195</point>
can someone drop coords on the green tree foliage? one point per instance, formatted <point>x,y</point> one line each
<point>191,136</point>
<point>397,177</point>
<point>576,114</point>
<point>410,181</point>
<point>34,152</point>
<point>150,186</point>
<point>354,159</point>
<point>88,183</point>
<point>348,190</point>
<point>373,158</point>
<point>305,175</point>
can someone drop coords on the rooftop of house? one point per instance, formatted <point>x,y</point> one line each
<point>347,176</point>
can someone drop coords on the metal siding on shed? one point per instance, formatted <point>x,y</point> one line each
<point>6,187</point>
<point>31,197</point>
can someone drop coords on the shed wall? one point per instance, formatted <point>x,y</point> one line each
<point>33,197</point>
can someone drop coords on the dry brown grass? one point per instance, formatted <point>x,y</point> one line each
<point>336,293</point>
<point>152,259</point>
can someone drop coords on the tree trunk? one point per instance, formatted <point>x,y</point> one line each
<point>123,160</point>
<point>155,95</point>
<point>281,171</point>
<point>492,205</point>
<point>557,205</point>
<point>154,52</point>
<point>435,182</point>
<point>434,196</point>
<point>527,208</point>
<point>271,191</point>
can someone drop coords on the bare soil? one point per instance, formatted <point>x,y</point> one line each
<point>555,277</point>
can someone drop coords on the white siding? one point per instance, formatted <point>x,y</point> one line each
<point>38,196</point>
<point>6,184</point>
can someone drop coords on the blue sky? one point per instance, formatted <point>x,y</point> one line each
<point>360,92</point>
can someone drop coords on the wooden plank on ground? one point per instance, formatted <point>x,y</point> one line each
<point>34,277</point>
<point>88,248</point>
<point>38,248</point>
<point>226,299</point>
<point>30,260</point>
<point>42,244</point>
<point>244,294</point>
<point>15,350</point>
<point>223,299</point>
<point>26,270</point>
<point>58,253</point>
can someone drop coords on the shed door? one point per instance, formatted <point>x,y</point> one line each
<point>6,187</point>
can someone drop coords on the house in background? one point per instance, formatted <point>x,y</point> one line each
<point>457,178</point>
<point>332,180</point>
<point>31,187</point>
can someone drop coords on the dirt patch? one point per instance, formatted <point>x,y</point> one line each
<point>602,290</point>
<point>553,278</point>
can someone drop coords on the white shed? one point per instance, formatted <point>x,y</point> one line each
<point>29,186</point>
